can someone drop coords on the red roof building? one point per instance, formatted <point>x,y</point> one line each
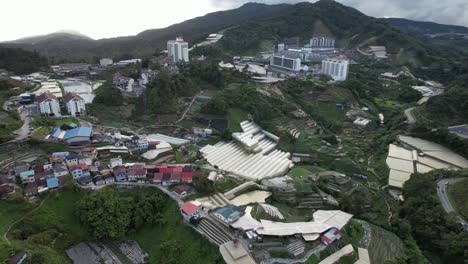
<point>187,176</point>
<point>188,209</point>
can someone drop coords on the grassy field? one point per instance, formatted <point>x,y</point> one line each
<point>10,211</point>
<point>299,172</point>
<point>235,116</point>
<point>459,197</point>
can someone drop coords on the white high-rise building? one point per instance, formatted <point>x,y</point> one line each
<point>178,49</point>
<point>48,104</point>
<point>336,68</point>
<point>75,104</point>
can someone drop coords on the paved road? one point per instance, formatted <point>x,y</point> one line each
<point>442,193</point>
<point>24,129</point>
<point>409,116</point>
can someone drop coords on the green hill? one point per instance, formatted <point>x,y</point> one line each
<point>246,29</point>
<point>422,27</point>
<point>21,61</point>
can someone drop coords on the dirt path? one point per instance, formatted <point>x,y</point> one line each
<point>188,108</point>
<point>5,235</point>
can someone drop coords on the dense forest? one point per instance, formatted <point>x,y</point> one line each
<point>423,218</point>
<point>21,61</point>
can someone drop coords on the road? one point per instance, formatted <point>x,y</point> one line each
<point>24,129</point>
<point>410,116</point>
<point>442,193</point>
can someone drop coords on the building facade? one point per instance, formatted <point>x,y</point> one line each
<point>336,68</point>
<point>322,42</point>
<point>48,104</point>
<point>286,62</point>
<point>75,104</point>
<point>178,49</point>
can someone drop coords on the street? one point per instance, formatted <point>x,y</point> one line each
<point>409,116</point>
<point>24,129</point>
<point>442,193</point>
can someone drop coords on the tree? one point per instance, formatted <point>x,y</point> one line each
<point>106,214</point>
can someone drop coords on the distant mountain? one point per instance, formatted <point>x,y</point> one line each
<point>59,47</point>
<point>247,29</point>
<point>65,35</point>
<point>420,27</point>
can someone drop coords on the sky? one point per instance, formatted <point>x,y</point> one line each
<point>112,18</point>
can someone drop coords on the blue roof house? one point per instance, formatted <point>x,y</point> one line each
<point>52,183</point>
<point>78,136</point>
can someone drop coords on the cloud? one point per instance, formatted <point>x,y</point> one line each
<point>453,12</point>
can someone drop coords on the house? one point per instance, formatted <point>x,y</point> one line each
<point>120,173</point>
<point>229,213</point>
<point>84,180</point>
<point>189,211</point>
<point>78,136</point>
<point>158,177</point>
<point>21,168</point>
<point>43,175</point>
<point>104,170</point>
<point>89,152</point>
<point>76,171</point>
<point>136,172</point>
<point>99,180</point>
<point>27,176</point>
<point>48,104</point>
<point>109,179</point>
<point>31,189</point>
<point>175,177</point>
<point>71,160</point>
<point>116,162</point>
<point>60,170</point>
<point>47,166</point>
<point>85,160</point>
<point>331,236</point>
<point>18,258</point>
<point>52,183</point>
<point>187,176</point>
<point>183,190</point>
<point>75,104</point>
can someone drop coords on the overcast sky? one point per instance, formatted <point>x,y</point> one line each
<point>111,18</point>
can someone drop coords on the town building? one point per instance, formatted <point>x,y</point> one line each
<point>178,50</point>
<point>136,172</point>
<point>229,213</point>
<point>189,210</point>
<point>287,60</point>
<point>380,52</point>
<point>128,62</point>
<point>322,42</point>
<point>336,68</point>
<point>78,136</point>
<point>48,104</point>
<point>75,104</point>
<point>120,173</point>
<point>104,62</point>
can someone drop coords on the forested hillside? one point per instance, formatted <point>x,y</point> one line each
<point>21,61</point>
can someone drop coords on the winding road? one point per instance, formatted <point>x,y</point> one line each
<point>442,193</point>
<point>410,116</point>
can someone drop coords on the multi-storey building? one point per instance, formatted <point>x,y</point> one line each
<point>178,49</point>
<point>48,104</point>
<point>75,104</point>
<point>336,68</point>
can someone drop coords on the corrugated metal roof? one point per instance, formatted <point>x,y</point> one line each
<point>78,132</point>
